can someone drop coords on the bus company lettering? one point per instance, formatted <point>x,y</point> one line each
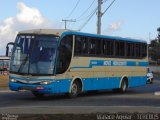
<point>107,63</point>
<point>115,63</point>
<point>94,63</point>
<point>119,63</point>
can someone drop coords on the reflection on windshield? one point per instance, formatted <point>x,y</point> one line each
<point>34,55</point>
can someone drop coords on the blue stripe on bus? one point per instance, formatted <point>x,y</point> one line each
<point>63,85</point>
<point>113,63</point>
<point>111,82</point>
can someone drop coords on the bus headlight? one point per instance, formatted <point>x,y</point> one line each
<point>13,80</point>
<point>45,82</point>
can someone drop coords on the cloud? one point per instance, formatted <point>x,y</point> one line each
<point>113,27</point>
<point>29,15</point>
<point>26,18</point>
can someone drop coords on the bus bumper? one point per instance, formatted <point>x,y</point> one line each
<point>22,87</point>
<point>53,88</point>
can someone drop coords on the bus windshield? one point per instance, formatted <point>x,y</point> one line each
<point>34,54</point>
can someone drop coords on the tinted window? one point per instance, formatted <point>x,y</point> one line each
<point>130,52</point>
<point>120,48</point>
<point>144,50</point>
<point>65,54</point>
<point>94,46</point>
<point>138,50</point>
<point>81,45</point>
<point>108,46</point>
<point>91,46</point>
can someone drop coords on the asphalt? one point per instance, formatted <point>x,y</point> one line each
<point>140,99</point>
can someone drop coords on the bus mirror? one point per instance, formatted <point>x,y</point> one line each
<point>7,48</point>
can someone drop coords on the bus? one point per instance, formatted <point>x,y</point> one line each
<point>56,61</point>
<point>4,64</point>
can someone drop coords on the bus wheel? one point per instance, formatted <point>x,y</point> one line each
<point>38,94</point>
<point>74,89</point>
<point>124,85</point>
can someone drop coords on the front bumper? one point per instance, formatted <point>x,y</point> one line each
<point>47,89</point>
<point>56,87</point>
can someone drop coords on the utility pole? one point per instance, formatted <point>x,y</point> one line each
<point>158,29</point>
<point>99,15</point>
<point>65,21</point>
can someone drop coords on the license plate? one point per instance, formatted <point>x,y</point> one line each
<point>25,88</point>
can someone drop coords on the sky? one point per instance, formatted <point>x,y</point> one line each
<point>137,19</point>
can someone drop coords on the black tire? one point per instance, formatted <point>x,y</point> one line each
<point>38,94</point>
<point>123,87</point>
<point>75,89</point>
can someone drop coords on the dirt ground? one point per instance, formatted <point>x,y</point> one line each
<point>3,80</point>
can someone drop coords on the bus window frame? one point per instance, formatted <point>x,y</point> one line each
<point>102,53</point>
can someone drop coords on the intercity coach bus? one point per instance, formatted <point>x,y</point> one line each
<point>52,61</point>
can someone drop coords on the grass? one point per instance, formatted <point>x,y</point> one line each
<point>3,80</point>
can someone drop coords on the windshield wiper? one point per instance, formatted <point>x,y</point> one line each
<point>24,62</point>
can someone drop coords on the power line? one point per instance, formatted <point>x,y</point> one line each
<point>91,15</point>
<point>73,9</point>
<point>104,1</point>
<point>86,10</point>
<point>108,7</point>
<point>85,17</point>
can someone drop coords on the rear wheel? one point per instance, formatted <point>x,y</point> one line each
<point>123,87</point>
<point>38,94</point>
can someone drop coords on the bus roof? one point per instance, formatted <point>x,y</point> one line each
<point>104,36</point>
<point>62,32</point>
<point>57,32</point>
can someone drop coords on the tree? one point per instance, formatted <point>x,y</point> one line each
<point>154,48</point>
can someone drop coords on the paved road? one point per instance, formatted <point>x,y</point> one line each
<point>141,99</point>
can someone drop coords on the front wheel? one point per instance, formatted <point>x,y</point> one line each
<point>74,90</point>
<point>38,94</point>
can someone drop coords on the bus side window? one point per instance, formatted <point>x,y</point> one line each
<point>130,51</point>
<point>81,45</point>
<point>138,50</point>
<point>144,50</point>
<point>92,48</point>
<point>65,54</point>
<point>108,47</point>
<point>120,48</point>
<point>78,46</point>
<point>95,46</point>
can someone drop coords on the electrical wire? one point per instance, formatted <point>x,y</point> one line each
<point>104,1</point>
<point>91,15</point>
<point>73,9</point>
<point>86,10</point>
<point>108,7</point>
